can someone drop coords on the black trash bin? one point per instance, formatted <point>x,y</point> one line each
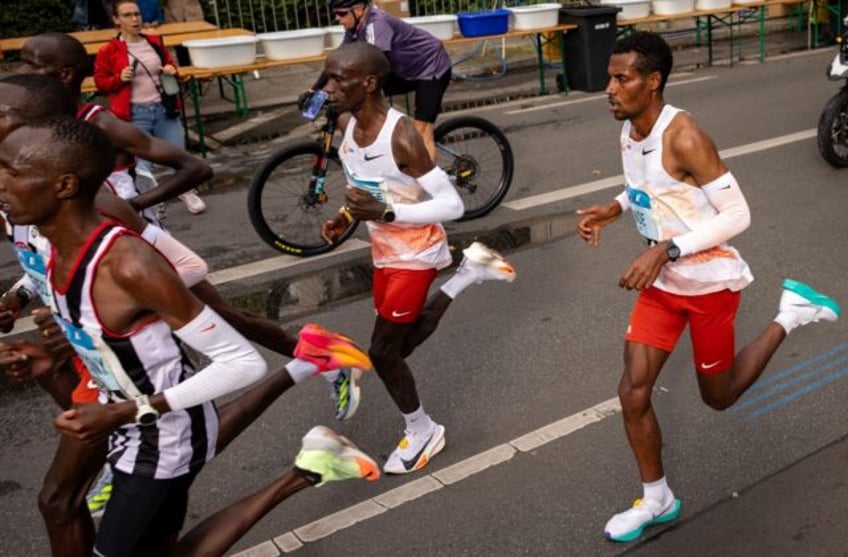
<point>588,48</point>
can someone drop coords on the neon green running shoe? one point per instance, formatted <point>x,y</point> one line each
<point>326,456</point>
<point>100,493</point>
<point>345,392</point>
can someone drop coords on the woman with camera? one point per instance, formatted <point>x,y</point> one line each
<point>137,73</point>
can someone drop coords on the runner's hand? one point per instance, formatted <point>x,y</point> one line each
<point>51,334</point>
<point>92,423</point>
<point>10,310</point>
<point>332,230</point>
<point>594,218</point>
<point>645,268</point>
<point>303,99</point>
<point>23,360</point>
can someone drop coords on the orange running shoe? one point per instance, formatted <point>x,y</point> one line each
<point>329,350</point>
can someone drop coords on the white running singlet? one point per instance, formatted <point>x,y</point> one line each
<point>663,208</point>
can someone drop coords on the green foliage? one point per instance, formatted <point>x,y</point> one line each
<point>23,18</point>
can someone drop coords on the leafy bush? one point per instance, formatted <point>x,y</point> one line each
<point>23,18</point>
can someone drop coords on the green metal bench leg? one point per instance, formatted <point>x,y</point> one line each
<point>562,55</point>
<point>194,90</point>
<point>543,90</point>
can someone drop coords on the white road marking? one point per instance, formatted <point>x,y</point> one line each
<point>440,479</point>
<point>601,96</point>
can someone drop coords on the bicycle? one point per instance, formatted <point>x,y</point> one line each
<point>303,184</point>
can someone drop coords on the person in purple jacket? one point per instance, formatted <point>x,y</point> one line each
<point>419,61</point>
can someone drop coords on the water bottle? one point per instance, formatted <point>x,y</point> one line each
<point>316,101</point>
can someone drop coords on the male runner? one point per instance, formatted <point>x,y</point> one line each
<point>404,200</point>
<point>687,205</point>
<point>158,415</point>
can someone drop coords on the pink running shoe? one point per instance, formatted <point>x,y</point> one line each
<point>329,350</point>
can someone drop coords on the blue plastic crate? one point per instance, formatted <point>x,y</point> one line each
<point>480,24</point>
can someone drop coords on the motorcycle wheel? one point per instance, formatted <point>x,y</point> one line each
<point>833,130</point>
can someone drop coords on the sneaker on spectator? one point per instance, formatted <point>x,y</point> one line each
<point>193,203</point>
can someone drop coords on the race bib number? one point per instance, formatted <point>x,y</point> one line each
<point>641,205</point>
<point>36,268</point>
<point>86,346</point>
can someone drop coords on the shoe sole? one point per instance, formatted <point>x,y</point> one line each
<point>814,297</point>
<point>484,255</point>
<point>434,447</point>
<point>662,519</point>
<point>353,395</point>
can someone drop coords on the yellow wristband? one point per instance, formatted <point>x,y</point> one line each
<point>346,212</point>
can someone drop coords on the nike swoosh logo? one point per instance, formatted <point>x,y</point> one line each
<point>208,327</point>
<point>710,366</point>
<point>648,152</point>
<point>727,187</point>
<point>92,385</point>
<point>400,313</point>
<point>367,158</point>
<point>410,464</point>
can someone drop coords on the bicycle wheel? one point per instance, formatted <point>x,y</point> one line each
<point>283,206</point>
<point>478,158</point>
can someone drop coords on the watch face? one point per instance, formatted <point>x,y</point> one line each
<point>389,216</point>
<point>147,418</point>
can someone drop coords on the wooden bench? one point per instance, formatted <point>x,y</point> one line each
<point>101,36</point>
<point>731,17</point>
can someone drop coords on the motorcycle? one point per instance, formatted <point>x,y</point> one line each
<point>832,133</point>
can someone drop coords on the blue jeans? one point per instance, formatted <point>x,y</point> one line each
<point>150,117</point>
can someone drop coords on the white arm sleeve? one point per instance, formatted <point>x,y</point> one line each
<point>190,266</point>
<point>444,204</point>
<point>732,219</point>
<point>235,363</point>
<point>623,200</point>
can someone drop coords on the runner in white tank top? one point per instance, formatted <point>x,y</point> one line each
<point>687,205</point>
<point>404,198</point>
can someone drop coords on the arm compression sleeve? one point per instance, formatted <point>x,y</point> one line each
<point>235,363</point>
<point>623,200</point>
<point>732,219</point>
<point>190,266</point>
<point>444,204</point>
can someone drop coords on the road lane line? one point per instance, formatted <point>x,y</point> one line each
<point>614,181</point>
<point>597,97</point>
<point>440,479</point>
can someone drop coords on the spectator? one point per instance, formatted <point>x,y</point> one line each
<point>90,14</point>
<point>183,10</point>
<point>151,12</point>
<point>131,69</point>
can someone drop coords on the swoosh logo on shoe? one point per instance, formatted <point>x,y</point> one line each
<point>368,159</point>
<point>396,313</point>
<point>710,366</point>
<point>410,464</point>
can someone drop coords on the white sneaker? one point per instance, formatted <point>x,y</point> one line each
<point>486,263</point>
<point>628,526</point>
<point>193,203</point>
<point>805,305</point>
<point>414,451</point>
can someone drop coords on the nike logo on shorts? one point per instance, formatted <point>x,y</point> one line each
<point>710,366</point>
<point>396,313</point>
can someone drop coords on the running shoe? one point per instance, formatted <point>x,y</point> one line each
<point>326,456</point>
<point>629,525</point>
<point>413,453</point>
<point>345,392</point>
<point>100,493</point>
<point>808,305</point>
<point>329,350</point>
<point>192,201</point>
<point>486,263</point>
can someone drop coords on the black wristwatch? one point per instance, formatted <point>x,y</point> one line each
<point>388,213</point>
<point>672,251</point>
<point>145,413</point>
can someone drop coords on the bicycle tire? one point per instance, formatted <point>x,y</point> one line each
<point>476,145</point>
<point>832,133</point>
<point>279,207</point>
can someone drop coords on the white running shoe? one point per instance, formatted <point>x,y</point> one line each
<point>806,305</point>
<point>193,203</point>
<point>415,451</point>
<point>628,526</point>
<point>486,263</point>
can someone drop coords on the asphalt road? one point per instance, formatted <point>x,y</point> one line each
<point>543,356</point>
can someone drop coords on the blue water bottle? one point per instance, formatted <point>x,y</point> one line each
<point>316,101</point>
